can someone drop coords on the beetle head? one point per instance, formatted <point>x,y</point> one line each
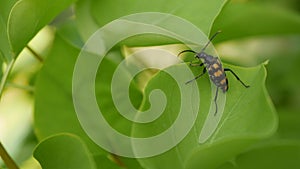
<point>201,55</point>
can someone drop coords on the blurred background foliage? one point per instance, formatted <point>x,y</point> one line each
<point>248,45</point>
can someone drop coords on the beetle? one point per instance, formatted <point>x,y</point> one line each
<point>214,68</point>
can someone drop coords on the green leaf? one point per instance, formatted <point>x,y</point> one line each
<point>64,151</point>
<point>23,25</point>
<point>85,21</point>
<point>5,8</point>
<point>200,13</point>
<point>278,155</point>
<point>54,110</point>
<point>104,163</point>
<point>288,124</point>
<point>285,92</point>
<point>1,68</point>
<point>240,20</point>
<point>193,11</point>
<point>248,116</point>
<point>68,31</point>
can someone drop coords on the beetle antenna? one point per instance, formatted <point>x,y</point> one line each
<point>211,40</point>
<point>186,51</point>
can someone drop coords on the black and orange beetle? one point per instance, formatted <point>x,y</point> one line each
<point>215,70</point>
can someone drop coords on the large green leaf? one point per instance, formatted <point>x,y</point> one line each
<point>92,13</point>
<point>85,21</point>
<point>1,66</point>
<point>240,20</point>
<point>103,162</point>
<point>5,54</point>
<point>64,151</point>
<point>201,13</point>
<point>278,155</point>
<point>54,110</point>
<point>27,17</point>
<point>249,115</point>
<point>5,8</point>
<point>285,92</point>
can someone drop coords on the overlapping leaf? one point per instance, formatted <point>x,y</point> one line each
<point>246,19</point>
<point>27,17</point>
<point>64,151</point>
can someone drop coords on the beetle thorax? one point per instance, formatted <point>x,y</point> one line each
<point>208,59</point>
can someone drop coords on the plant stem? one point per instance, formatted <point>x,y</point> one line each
<point>117,160</point>
<point>37,56</point>
<point>22,87</point>
<point>3,153</point>
<point>5,76</point>
<point>9,162</point>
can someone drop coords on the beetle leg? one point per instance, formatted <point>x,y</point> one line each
<point>215,100</point>
<point>195,64</point>
<point>186,51</point>
<point>203,72</point>
<point>236,76</point>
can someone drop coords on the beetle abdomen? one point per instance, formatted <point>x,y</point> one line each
<point>217,75</point>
